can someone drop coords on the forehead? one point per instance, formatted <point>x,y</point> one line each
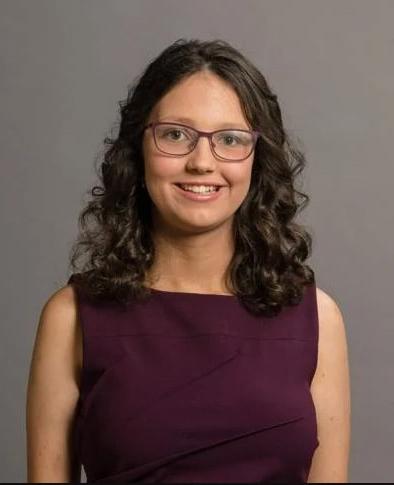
<point>202,100</point>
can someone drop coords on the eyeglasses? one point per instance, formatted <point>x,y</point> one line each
<point>179,140</point>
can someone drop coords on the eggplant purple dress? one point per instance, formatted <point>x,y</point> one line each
<point>189,387</point>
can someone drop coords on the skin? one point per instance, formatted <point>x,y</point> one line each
<point>330,391</point>
<point>193,240</point>
<point>193,249</point>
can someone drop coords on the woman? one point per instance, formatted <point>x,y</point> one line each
<point>194,344</point>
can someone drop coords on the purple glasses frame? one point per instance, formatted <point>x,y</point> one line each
<point>207,134</point>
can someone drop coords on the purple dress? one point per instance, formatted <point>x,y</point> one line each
<point>189,387</point>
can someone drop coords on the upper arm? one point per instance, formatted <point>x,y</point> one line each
<point>53,391</point>
<point>330,390</point>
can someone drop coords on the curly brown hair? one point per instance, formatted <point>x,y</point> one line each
<point>267,270</point>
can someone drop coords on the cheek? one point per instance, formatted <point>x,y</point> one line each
<point>240,177</point>
<point>240,181</point>
<point>161,169</point>
<point>160,175</point>
<point>238,193</point>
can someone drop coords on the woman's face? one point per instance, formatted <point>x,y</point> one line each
<point>207,103</point>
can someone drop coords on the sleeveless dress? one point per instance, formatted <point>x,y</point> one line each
<point>189,387</point>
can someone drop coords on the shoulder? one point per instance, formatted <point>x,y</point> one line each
<point>326,303</point>
<point>53,390</point>
<point>59,315</point>
<point>58,329</point>
<point>330,389</point>
<point>331,321</point>
<point>332,370</point>
<point>62,302</point>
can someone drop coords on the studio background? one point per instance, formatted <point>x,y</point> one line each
<point>64,67</point>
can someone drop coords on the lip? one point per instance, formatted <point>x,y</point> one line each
<point>197,184</point>
<point>200,197</point>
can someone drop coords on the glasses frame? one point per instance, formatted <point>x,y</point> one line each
<point>207,134</point>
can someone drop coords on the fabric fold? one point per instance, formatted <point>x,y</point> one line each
<point>142,471</point>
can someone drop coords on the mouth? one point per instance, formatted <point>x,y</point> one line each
<point>217,188</point>
<point>200,197</point>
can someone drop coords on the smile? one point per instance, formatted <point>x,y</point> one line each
<point>200,196</point>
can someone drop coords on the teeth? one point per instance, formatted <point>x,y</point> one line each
<point>199,189</point>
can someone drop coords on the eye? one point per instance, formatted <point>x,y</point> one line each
<point>175,134</point>
<point>231,138</point>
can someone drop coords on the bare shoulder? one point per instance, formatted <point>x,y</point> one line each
<point>330,389</point>
<point>327,306</point>
<point>57,348</point>
<point>332,347</point>
<point>59,323</point>
<point>62,306</point>
<point>331,321</point>
<point>53,390</point>
<point>63,300</point>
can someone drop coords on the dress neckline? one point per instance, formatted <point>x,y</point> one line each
<point>155,290</point>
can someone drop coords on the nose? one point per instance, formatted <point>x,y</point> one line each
<point>202,156</point>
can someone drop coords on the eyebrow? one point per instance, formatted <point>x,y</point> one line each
<point>190,122</point>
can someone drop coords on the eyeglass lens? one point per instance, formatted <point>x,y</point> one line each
<point>179,140</point>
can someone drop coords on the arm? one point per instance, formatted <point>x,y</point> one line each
<point>330,390</point>
<point>53,391</point>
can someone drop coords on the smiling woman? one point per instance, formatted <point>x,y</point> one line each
<point>201,159</point>
<point>193,343</point>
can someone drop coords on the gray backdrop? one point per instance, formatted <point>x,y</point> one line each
<point>64,67</point>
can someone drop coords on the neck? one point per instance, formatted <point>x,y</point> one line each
<point>192,263</point>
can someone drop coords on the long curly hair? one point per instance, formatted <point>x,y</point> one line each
<point>267,270</point>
